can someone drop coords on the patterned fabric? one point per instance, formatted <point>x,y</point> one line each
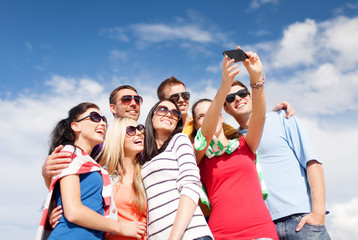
<point>81,163</point>
<point>216,148</point>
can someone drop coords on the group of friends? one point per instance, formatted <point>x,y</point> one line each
<point>182,177</point>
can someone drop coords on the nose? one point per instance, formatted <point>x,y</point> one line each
<point>133,102</point>
<point>138,133</point>
<point>103,123</point>
<point>237,97</point>
<point>180,99</point>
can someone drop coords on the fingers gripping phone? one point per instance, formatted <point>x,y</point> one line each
<point>237,54</point>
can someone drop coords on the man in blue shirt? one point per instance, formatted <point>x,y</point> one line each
<point>291,169</point>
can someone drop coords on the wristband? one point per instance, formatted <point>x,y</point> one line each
<point>258,84</point>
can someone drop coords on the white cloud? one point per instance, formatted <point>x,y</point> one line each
<point>341,37</point>
<point>193,30</point>
<point>297,45</point>
<point>310,43</point>
<point>116,55</point>
<point>255,4</point>
<point>317,61</point>
<point>115,33</point>
<point>28,45</point>
<point>260,33</point>
<point>344,220</point>
<point>161,32</point>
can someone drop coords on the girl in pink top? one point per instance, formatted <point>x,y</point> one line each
<point>121,155</point>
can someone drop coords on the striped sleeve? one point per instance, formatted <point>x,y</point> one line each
<point>188,182</point>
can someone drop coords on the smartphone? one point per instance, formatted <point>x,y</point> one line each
<point>237,54</point>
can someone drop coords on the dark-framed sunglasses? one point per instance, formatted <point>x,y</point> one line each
<point>241,93</point>
<point>95,117</point>
<point>176,96</point>
<point>126,99</point>
<point>131,130</point>
<point>164,110</point>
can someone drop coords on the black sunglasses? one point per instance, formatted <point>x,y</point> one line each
<point>241,93</point>
<point>95,117</point>
<point>131,130</point>
<point>163,111</point>
<point>126,99</point>
<point>176,96</point>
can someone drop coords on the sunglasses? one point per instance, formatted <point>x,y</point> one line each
<point>176,96</point>
<point>241,93</point>
<point>127,99</point>
<point>95,117</point>
<point>131,130</point>
<point>163,111</point>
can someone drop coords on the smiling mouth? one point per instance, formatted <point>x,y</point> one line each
<point>138,142</point>
<point>100,131</point>
<point>132,112</point>
<point>166,121</point>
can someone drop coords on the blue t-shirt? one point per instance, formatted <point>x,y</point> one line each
<point>284,152</point>
<point>91,185</point>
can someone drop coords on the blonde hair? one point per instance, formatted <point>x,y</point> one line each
<point>112,155</point>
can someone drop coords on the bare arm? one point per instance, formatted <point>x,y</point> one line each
<point>54,164</point>
<point>257,120</point>
<point>316,182</point>
<point>184,215</point>
<point>77,213</point>
<point>209,123</point>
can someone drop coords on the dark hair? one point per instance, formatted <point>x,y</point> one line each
<point>113,96</point>
<point>150,146</point>
<point>167,82</point>
<point>63,133</point>
<point>193,133</point>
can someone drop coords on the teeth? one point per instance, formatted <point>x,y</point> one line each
<point>167,121</point>
<point>241,105</point>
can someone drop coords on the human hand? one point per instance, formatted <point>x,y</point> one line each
<point>285,105</point>
<point>132,229</point>
<point>311,218</point>
<point>253,65</point>
<point>229,71</point>
<point>55,162</point>
<point>55,216</point>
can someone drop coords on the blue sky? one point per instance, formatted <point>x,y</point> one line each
<point>56,54</point>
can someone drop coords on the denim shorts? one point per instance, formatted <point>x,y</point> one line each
<point>204,238</point>
<point>286,229</point>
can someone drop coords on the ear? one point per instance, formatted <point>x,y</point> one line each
<point>112,109</point>
<point>221,118</point>
<point>75,127</point>
<point>195,126</point>
<point>226,108</point>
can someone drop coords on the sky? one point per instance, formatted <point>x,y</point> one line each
<point>56,54</point>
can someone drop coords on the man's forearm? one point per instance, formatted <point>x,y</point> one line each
<point>316,182</point>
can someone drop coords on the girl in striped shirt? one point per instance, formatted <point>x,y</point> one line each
<point>171,177</point>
